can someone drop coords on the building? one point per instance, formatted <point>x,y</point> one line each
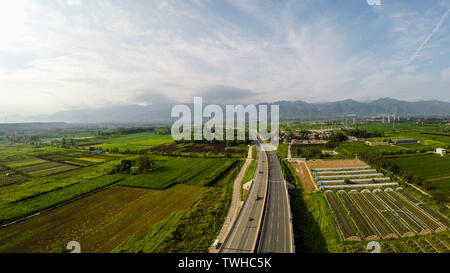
<point>369,143</point>
<point>404,141</point>
<point>298,159</point>
<point>441,151</point>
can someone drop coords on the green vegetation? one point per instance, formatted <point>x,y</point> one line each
<point>41,185</point>
<point>155,236</point>
<point>282,150</point>
<point>193,231</point>
<point>29,206</point>
<point>130,142</point>
<point>309,151</point>
<point>99,221</point>
<point>249,174</point>
<point>312,220</point>
<point>181,171</point>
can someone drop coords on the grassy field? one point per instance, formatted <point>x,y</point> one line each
<point>181,171</point>
<point>433,169</point>
<point>139,141</point>
<point>282,150</point>
<point>193,231</point>
<point>427,166</point>
<point>155,236</point>
<point>99,222</point>
<point>41,185</point>
<point>177,206</point>
<point>249,174</point>
<point>29,206</point>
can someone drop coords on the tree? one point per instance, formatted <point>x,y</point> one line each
<point>143,163</point>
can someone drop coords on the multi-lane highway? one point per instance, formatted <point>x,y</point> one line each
<point>276,233</point>
<point>244,233</point>
<point>265,214</point>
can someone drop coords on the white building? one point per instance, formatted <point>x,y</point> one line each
<point>441,151</point>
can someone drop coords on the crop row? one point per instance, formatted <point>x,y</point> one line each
<point>425,207</point>
<point>383,228</point>
<point>436,242</point>
<point>407,219</point>
<point>382,213</point>
<point>414,246</point>
<point>39,167</point>
<point>358,218</point>
<point>345,227</point>
<point>181,171</point>
<point>414,211</point>
<point>389,215</point>
<point>41,202</point>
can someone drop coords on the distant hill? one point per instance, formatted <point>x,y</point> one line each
<point>160,113</point>
<point>300,109</point>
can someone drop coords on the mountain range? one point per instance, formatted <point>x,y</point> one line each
<point>298,110</point>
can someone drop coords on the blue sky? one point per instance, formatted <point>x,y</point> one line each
<point>64,54</point>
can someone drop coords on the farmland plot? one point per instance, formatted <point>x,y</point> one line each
<point>439,245</point>
<point>29,206</point>
<point>426,166</point>
<point>348,232</point>
<point>390,216</point>
<point>100,222</point>
<point>181,171</point>
<point>426,208</point>
<point>365,228</point>
<point>406,218</point>
<point>416,212</point>
<point>383,228</point>
<point>10,177</point>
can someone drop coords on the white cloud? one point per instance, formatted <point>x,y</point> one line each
<point>105,52</point>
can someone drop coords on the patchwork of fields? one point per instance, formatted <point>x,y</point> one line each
<point>362,214</point>
<point>28,206</point>
<point>53,194</point>
<point>385,214</point>
<point>8,176</point>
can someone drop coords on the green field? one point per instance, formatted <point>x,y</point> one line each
<point>181,171</point>
<point>433,170</point>
<point>139,141</point>
<point>192,231</point>
<point>41,185</point>
<point>427,166</point>
<point>282,150</point>
<point>29,206</point>
<point>100,222</point>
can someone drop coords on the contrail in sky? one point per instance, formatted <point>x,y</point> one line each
<point>436,28</point>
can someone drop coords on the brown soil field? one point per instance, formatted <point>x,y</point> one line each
<point>99,222</point>
<point>319,163</point>
<point>302,171</point>
<point>164,148</point>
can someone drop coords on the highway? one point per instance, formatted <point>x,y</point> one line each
<point>244,233</point>
<point>276,233</point>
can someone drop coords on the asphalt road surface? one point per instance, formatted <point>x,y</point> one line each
<point>276,236</point>
<point>243,235</point>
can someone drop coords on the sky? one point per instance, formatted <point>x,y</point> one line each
<point>69,54</point>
